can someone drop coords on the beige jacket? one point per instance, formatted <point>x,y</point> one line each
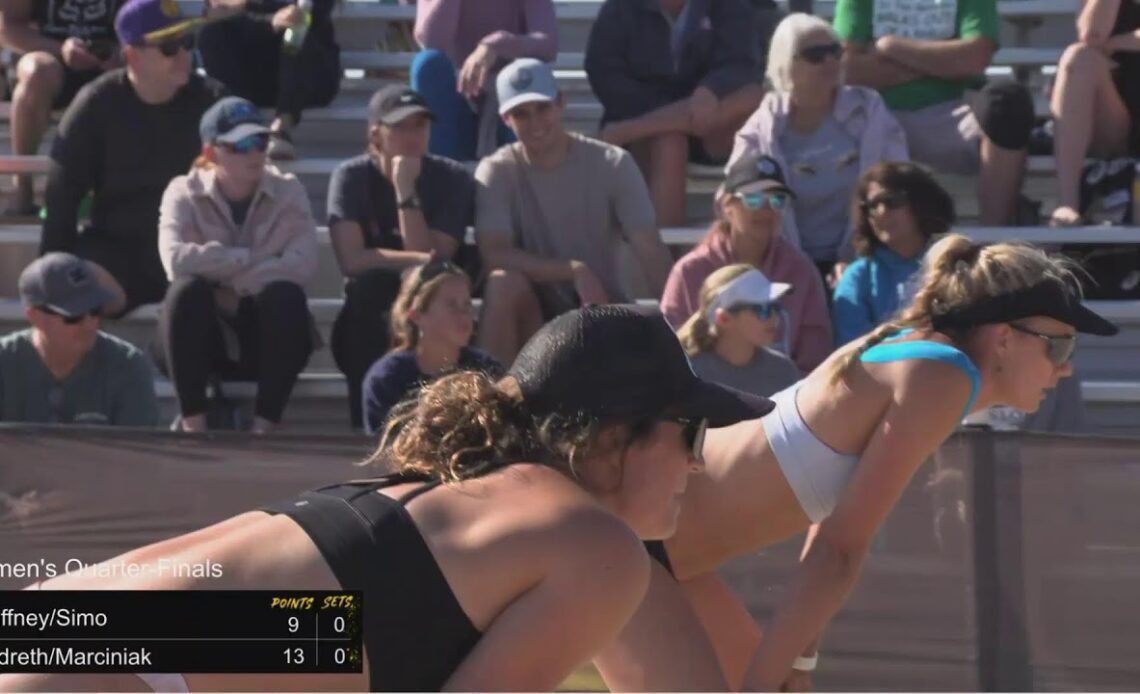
<point>197,235</point>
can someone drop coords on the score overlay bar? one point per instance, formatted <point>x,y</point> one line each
<point>181,631</point>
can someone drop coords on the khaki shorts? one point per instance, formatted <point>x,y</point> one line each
<point>945,137</point>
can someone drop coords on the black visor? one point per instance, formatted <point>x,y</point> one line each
<point>1058,300</point>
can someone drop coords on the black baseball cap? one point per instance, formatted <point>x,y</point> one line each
<point>756,173</point>
<point>231,119</point>
<point>63,283</point>
<point>622,362</point>
<point>396,102</point>
<point>1060,300</point>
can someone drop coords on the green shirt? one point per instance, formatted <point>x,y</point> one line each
<point>864,21</point>
<point>113,384</point>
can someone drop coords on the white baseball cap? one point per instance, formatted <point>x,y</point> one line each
<point>750,287</point>
<point>523,81</point>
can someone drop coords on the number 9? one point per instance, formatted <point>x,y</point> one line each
<point>294,625</point>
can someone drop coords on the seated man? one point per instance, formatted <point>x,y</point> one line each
<point>550,212</point>
<point>123,139</point>
<point>62,49</point>
<point>390,209</point>
<point>922,57</point>
<point>675,78</point>
<point>63,370</point>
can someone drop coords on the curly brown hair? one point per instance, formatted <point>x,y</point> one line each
<point>932,206</point>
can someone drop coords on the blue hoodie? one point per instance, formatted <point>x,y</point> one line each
<point>870,291</point>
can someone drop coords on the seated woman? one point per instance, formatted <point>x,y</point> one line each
<point>751,202</point>
<point>990,324</point>
<point>822,133</point>
<point>1096,100</point>
<point>432,325</point>
<point>898,208</point>
<point>465,43</point>
<point>676,79</point>
<point>503,548</point>
<point>728,338</point>
<point>238,242</point>
<point>275,54</point>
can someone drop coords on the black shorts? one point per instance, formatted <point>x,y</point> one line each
<point>73,81</point>
<point>137,269</point>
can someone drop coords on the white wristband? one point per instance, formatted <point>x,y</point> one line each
<point>805,664</point>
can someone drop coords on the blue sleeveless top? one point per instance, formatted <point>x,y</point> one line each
<point>890,350</point>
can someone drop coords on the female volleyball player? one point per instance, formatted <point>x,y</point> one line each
<point>504,551</point>
<point>990,324</point>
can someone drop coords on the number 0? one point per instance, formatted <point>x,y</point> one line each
<point>338,625</point>
<point>339,656</point>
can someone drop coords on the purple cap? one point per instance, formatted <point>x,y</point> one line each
<point>147,22</point>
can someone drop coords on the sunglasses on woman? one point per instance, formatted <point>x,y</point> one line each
<point>1059,348</point>
<point>72,320</point>
<point>762,311</point>
<point>891,200</point>
<point>816,55</point>
<point>693,432</point>
<point>758,201</point>
<point>170,47</point>
<point>250,143</point>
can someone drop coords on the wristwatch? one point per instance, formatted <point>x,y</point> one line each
<point>410,203</point>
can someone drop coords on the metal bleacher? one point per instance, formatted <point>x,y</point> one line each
<point>375,38</point>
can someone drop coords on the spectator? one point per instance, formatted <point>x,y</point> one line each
<point>752,200</point>
<point>676,79</point>
<point>922,56</point>
<point>552,210</point>
<point>63,369</point>
<point>123,138</point>
<point>249,52</point>
<point>728,338</point>
<point>465,43</point>
<point>1098,83</point>
<point>390,209</point>
<point>432,325</point>
<point>238,242</point>
<point>898,209</point>
<point>64,46</point>
<point>824,134</point>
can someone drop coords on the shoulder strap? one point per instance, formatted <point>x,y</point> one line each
<point>933,351</point>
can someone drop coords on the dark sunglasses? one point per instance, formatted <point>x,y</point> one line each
<point>170,47</point>
<point>72,320</point>
<point>762,311</point>
<point>250,143</point>
<point>818,54</point>
<point>693,433</point>
<point>1059,348</point>
<point>892,200</point>
<point>758,201</point>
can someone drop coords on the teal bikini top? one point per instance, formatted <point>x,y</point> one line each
<point>890,350</point>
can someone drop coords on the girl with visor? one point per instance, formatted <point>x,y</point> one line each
<point>990,324</point>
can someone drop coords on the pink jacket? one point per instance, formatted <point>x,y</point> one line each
<point>197,235</point>
<point>514,28</point>
<point>810,325</point>
<point>861,112</point>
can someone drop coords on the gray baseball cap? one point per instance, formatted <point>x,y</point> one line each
<point>63,283</point>
<point>523,81</point>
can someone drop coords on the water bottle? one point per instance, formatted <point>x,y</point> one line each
<point>295,35</point>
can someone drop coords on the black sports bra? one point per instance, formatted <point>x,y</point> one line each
<point>415,632</point>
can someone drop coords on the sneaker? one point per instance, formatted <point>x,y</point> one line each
<point>281,146</point>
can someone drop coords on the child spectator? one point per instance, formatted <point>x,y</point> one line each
<point>552,211</point>
<point>390,209</point>
<point>751,203</point>
<point>126,135</point>
<point>465,43</point>
<point>898,208</point>
<point>922,56</point>
<point>63,370</point>
<point>822,133</point>
<point>238,242</point>
<point>432,324</point>
<point>62,49</point>
<point>248,52</point>
<point>729,337</point>
<point>676,79</point>
<point>1096,100</point>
